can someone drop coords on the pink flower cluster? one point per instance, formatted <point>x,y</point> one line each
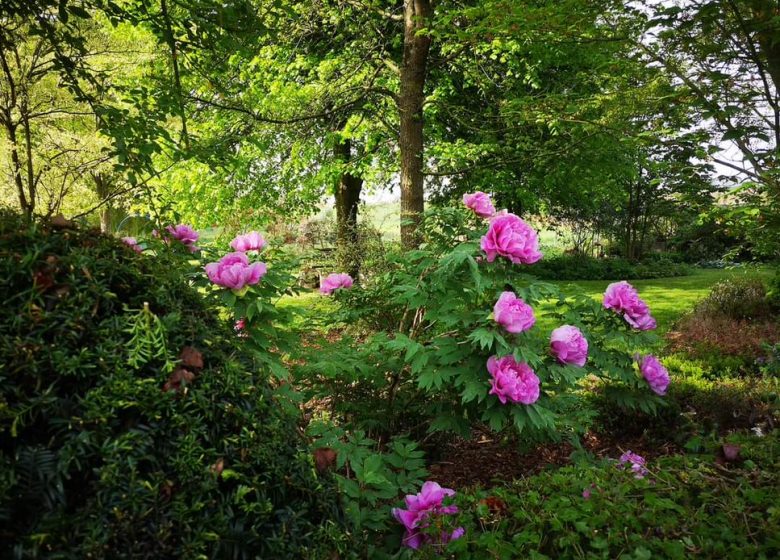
<point>510,237</point>
<point>185,235</point>
<point>235,272</point>
<point>569,346</point>
<point>622,297</point>
<point>655,374</point>
<point>422,511</point>
<point>335,281</point>
<point>513,313</point>
<point>633,462</point>
<point>132,242</point>
<point>513,381</point>
<point>480,203</point>
<point>251,241</point>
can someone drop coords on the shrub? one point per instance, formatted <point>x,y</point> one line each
<point>580,267</point>
<point>773,290</point>
<point>729,344</point>
<point>116,440</point>
<point>426,369</point>
<point>696,403</point>
<point>736,298</point>
<point>730,328</point>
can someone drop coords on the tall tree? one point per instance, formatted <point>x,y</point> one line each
<point>418,16</point>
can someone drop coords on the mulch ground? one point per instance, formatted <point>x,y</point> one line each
<point>485,460</point>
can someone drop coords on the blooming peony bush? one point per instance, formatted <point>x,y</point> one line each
<point>334,282</point>
<point>655,374</point>
<point>252,241</point>
<point>480,204</point>
<point>456,339</point>
<point>569,346</point>
<point>235,272</point>
<point>512,381</point>
<point>425,517</point>
<point>513,313</point>
<point>623,298</point>
<point>509,236</point>
<point>185,235</point>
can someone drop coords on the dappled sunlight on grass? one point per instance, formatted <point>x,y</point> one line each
<point>668,298</point>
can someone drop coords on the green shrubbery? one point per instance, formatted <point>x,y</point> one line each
<point>587,268</point>
<point>114,443</point>
<point>734,329</point>
<point>700,401</point>
<point>687,507</point>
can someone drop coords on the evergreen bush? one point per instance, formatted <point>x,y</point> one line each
<point>131,426</point>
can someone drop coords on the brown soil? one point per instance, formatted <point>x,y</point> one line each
<point>484,460</point>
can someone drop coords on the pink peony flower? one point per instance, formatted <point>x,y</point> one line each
<point>422,509</point>
<point>240,328</point>
<point>655,374</point>
<point>251,241</point>
<point>480,203</point>
<point>234,271</point>
<point>513,313</point>
<point>183,233</point>
<point>622,297</point>
<point>335,281</point>
<point>132,243</point>
<point>586,493</point>
<point>636,463</point>
<point>568,344</point>
<point>511,237</point>
<point>513,381</point>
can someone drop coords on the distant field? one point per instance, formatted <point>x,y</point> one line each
<point>386,217</point>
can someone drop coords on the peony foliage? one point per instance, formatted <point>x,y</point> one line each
<point>467,298</point>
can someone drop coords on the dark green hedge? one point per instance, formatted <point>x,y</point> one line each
<point>100,459</point>
<point>566,267</point>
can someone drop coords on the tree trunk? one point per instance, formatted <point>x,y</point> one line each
<point>347,200</point>
<point>32,187</point>
<point>17,168</point>
<point>417,16</point>
<point>109,214</point>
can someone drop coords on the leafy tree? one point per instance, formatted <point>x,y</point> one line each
<point>726,56</point>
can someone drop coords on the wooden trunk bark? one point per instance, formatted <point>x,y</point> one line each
<point>417,16</point>
<point>347,204</point>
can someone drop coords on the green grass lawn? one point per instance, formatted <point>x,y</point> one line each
<point>668,298</point>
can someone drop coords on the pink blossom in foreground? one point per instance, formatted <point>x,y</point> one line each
<point>510,237</point>
<point>586,494</point>
<point>234,271</point>
<point>335,281</point>
<point>655,374</point>
<point>634,462</point>
<point>132,243</point>
<point>513,313</point>
<point>623,298</point>
<point>251,241</point>
<point>421,511</point>
<point>480,203</point>
<point>569,345</point>
<point>183,233</point>
<point>513,381</point>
